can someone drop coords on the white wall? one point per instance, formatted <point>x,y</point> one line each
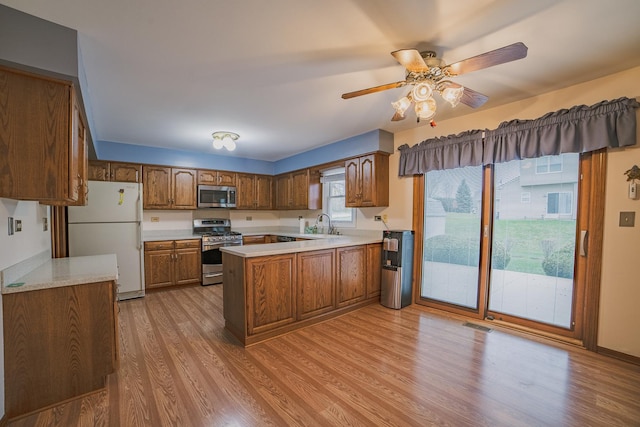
<point>32,240</point>
<point>619,318</point>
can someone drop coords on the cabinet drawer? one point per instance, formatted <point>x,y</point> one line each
<point>183,244</point>
<point>159,245</point>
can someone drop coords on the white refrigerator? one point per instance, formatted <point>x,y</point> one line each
<point>111,223</point>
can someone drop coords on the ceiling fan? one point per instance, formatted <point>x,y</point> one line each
<point>428,74</point>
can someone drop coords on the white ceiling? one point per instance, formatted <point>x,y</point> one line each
<point>168,74</point>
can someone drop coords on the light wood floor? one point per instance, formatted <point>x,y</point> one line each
<point>371,367</point>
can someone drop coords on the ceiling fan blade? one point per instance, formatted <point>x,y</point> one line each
<point>410,59</point>
<point>489,59</point>
<point>472,98</point>
<point>397,117</point>
<point>373,89</point>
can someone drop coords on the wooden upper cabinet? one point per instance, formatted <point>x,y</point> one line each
<point>367,181</point>
<point>114,171</point>
<point>253,191</point>
<point>263,192</point>
<point>283,197</point>
<point>183,188</point>
<point>212,177</point>
<point>41,155</point>
<point>169,188</point>
<point>298,190</point>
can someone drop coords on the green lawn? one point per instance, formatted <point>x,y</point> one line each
<point>523,238</point>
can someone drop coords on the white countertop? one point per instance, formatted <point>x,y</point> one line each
<point>317,242</point>
<point>71,271</point>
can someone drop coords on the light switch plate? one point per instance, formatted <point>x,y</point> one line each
<point>10,229</point>
<point>627,219</point>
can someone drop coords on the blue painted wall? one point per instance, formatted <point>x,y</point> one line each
<point>190,159</point>
<point>376,140</point>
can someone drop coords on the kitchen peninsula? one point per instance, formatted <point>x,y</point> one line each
<point>274,288</point>
<point>60,320</point>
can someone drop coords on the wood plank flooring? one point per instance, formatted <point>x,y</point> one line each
<point>371,367</point>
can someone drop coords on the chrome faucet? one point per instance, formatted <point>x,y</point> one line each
<point>331,229</point>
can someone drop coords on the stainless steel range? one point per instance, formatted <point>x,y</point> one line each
<point>216,233</point>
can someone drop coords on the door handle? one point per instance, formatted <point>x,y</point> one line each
<point>208,276</point>
<point>584,242</point>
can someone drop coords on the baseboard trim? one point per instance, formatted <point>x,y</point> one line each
<point>618,355</point>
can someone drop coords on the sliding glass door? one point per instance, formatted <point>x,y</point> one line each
<point>453,201</point>
<point>500,242</point>
<point>533,239</point>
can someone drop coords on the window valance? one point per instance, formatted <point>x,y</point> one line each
<point>580,129</point>
<point>447,152</point>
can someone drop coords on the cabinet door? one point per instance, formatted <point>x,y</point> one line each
<point>35,137</point>
<point>351,274</point>
<point>98,171</point>
<point>270,292</point>
<point>158,268</point>
<point>157,187</point>
<point>245,194</point>
<point>366,177</point>
<point>352,182</point>
<point>263,194</point>
<point>316,283</point>
<point>188,266</point>
<point>183,186</point>
<point>255,240</point>
<point>283,192</point>
<point>226,178</point>
<point>207,177</point>
<point>125,172</point>
<point>80,159</point>
<point>374,267</point>
<point>300,189</point>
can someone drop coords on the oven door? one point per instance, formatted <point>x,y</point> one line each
<point>212,262</point>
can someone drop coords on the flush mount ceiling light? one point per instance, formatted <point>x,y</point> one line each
<point>225,139</point>
<point>425,73</point>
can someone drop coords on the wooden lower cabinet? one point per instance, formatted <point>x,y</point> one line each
<point>316,282</point>
<point>271,298</point>
<point>256,240</point>
<point>267,296</point>
<point>172,263</point>
<point>352,264</point>
<point>60,343</point>
<point>374,269</point>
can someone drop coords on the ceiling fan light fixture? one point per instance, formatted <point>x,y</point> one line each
<point>452,92</point>
<point>421,92</point>
<point>401,105</point>
<point>426,110</point>
<point>225,139</point>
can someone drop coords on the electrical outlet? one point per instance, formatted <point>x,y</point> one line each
<point>377,218</point>
<point>155,219</point>
<point>249,218</point>
<point>384,217</point>
<point>45,224</point>
<point>18,225</point>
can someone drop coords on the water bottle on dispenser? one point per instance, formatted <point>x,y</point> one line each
<point>397,268</point>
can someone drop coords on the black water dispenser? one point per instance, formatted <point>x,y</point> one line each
<point>397,268</point>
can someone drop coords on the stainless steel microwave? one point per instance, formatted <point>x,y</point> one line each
<point>214,196</point>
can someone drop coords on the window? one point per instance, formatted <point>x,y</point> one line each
<point>559,203</point>
<point>333,203</point>
<point>549,164</point>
